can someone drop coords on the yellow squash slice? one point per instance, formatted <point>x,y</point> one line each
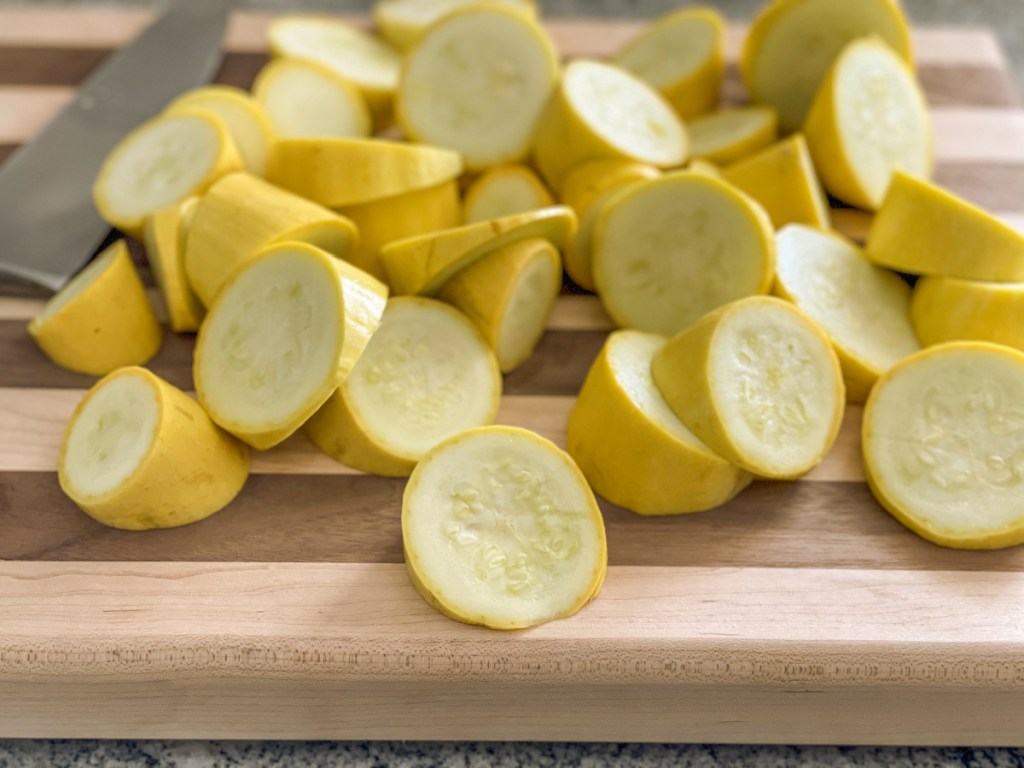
<point>782,179</point>
<point>680,54</point>
<point>759,383</point>
<point>502,191</point>
<point>161,163</point>
<point>476,82</point>
<point>304,99</point>
<point>868,120</point>
<point>730,134</point>
<point>864,309</point>
<point>165,235</point>
<point>281,336</point>
<point>371,64</point>
<point>585,189</point>
<point>426,375</point>
<point>925,230</point>
<point>792,44</point>
<point>500,528</point>
<point>949,309</point>
<point>395,218</point>
<point>403,22</point>
<point>243,117</point>
<point>101,320</point>
<point>600,110</point>
<point>632,448</point>
<point>340,172</point>
<point>242,214</point>
<point>668,251</point>
<point>139,453</point>
<point>509,295</point>
<point>423,264</point>
<point>942,444</point>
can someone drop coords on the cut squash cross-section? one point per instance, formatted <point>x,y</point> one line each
<point>303,98</point>
<point>426,375</point>
<point>281,336</point>
<point>476,82</point>
<point>500,528</point>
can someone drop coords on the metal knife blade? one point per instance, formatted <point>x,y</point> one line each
<point>48,225</point>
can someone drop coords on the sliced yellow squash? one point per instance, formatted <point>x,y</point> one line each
<point>502,191</point>
<point>304,99</point>
<point>950,309</point>
<point>403,22</point>
<point>731,134</point>
<point>165,235</point>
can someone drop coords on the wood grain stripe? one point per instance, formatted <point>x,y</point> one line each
<point>32,423</point>
<point>356,519</point>
<point>105,28</point>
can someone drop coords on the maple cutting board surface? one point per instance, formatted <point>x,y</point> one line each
<point>800,612</point>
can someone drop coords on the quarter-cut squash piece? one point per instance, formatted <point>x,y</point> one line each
<point>503,191</point>
<point>139,453</point>
<point>668,251</point>
<point>864,309</point>
<point>426,375</point>
<point>476,82</point>
<point>305,99</point>
<point>242,214</point>
<point>792,44</point>
<point>942,444</point>
<point>869,119</point>
<point>161,163</point>
<point>500,528</point>
<point>926,230</point>
<point>509,295</point>
<point>101,320</point>
<point>600,110</point>
<point>759,383</point>
<point>730,134</point>
<point>165,235</point>
<point>782,179</point>
<point>680,54</point>
<point>281,336</point>
<point>403,22</point>
<point>395,218</point>
<point>585,189</point>
<point>340,172</point>
<point>243,117</point>
<point>371,64</point>
<point>421,265</point>
<point>950,309</point>
<point>632,448</point>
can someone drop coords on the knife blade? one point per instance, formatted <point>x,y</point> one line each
<point>48,225</point>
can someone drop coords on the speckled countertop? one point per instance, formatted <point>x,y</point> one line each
<point>1004,16</point>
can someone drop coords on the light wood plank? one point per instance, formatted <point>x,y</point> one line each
<point>109,27</point>
<point>32,423</point>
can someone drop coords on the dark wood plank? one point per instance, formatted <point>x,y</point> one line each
<point>356,518</point>
<point>557,367</point>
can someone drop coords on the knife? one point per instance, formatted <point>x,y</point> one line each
<point>48,225</point>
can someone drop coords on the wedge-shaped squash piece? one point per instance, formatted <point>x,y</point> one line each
<point>101,320</point>
<point>942,444</point>
<point>950,309</point>
<point>341,172</point>
<point>165,235</point>
<point>632,448</point>
<point>423,264</point>
<point>426,375</point>
<point>139,453</point>
<point>282,335</point>
<point>500,528</point>
<point>759,383</point>
<point>668,251</point>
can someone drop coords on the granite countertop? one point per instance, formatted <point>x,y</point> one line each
<point>1002,15</point>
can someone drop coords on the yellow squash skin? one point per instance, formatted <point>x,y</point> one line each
<point>633,461</point>
<point>949,309</point>
<point>191,470</point>
<point>242,214</point>
<point>165,237</point>
<point>107,325</point>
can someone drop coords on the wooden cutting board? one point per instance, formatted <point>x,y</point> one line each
<point>800,612</point>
